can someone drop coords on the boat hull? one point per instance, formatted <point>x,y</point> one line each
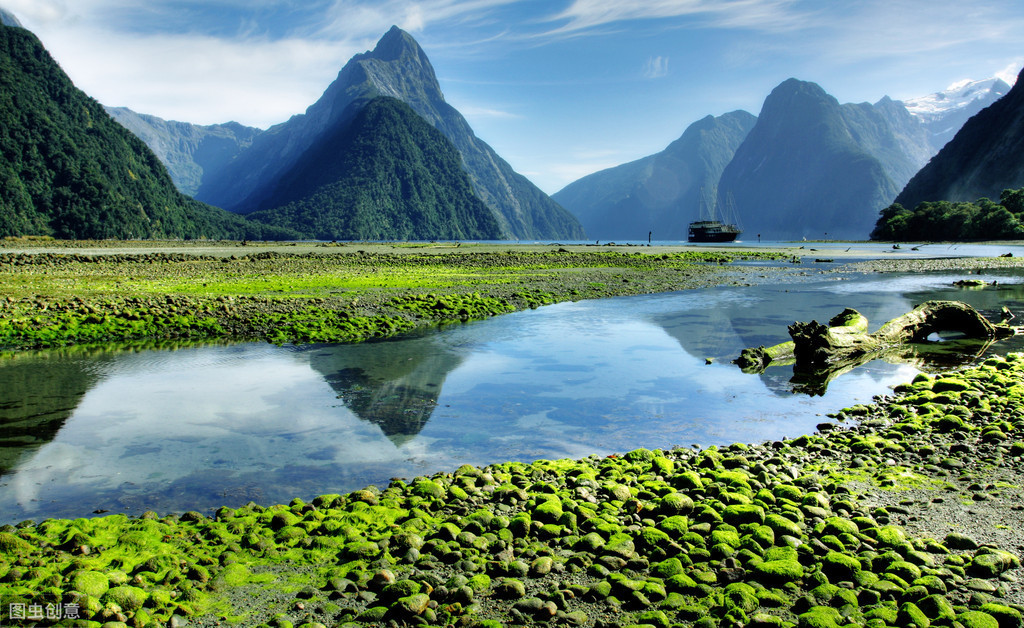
<point>712,231</point>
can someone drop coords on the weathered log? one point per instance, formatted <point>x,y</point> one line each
<point>845,338</point>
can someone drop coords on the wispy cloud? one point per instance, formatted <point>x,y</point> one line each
<point>590,15</point>
<point>656,67</point>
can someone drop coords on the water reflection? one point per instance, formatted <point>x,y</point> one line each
<point>202,427</point>
<point>394,385</point>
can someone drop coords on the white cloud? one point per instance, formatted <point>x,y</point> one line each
<point>656,67</point>
<point>584,15</point>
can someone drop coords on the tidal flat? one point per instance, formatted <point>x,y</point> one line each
<point>903,512</point>
<point>317,293</point>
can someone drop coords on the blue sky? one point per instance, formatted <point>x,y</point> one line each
<point>560,88</point>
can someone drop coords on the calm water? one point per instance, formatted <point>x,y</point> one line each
<point>197,428</point>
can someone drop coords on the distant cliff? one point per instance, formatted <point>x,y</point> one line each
<point>191,152</point>
<point>813,168</point>
<point>659,194</point>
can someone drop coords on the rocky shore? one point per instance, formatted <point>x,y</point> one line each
<point>906,512</point>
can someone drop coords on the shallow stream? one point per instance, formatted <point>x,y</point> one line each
<point>200,427</point>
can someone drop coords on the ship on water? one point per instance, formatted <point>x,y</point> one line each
<point>709,228</point>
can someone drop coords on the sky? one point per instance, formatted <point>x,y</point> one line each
<point>559,88</point>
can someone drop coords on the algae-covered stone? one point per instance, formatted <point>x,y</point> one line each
<point>675,504</point>
<point>739,514</point>
<point>782,526</point>
<point>977,619</point>
<point>778,572</point>
<point>429,489</point>
<point>512,589</point>
<point>11,544</point>
<point>838,566</point>
<point>654,618</point>
<point>904,570</point>
<point>820,617</point>
<point>668,568</point>
<point>991,564</point>
<point>1007,617</point>
<point>764,620</point>
<point>127,597</point>
<point>910,615</point>
<point>93,583</point>
<point>958,541</point>
<point>937,608</point>
<point>742,596</point>
<point>548,510</point>
<point>837,526</point>
<point>401,588</point>
<point>689,480</point>
<point>414,604</point>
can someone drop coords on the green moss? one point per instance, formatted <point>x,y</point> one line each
<point>93,583</point>
<point>820,617</point>
<point>778,571</point>
<point>128,598</point>
<point>977,619</point>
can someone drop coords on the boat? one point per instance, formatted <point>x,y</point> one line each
<point>709,228</point>
<point>712,231</point>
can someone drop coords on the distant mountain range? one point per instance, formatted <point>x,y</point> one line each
<point>70,171</point>
<point>943,113</point>
<point>659,194</point>
<point>380,156</point>
<point>191,152</point>
<point>985,157</point>
<point>809,167</point>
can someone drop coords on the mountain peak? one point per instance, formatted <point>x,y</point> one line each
<point>9,19</point>
<point>962,95</point>
<point>395,44</point>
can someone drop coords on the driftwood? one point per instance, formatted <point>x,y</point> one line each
<point>846,339</point>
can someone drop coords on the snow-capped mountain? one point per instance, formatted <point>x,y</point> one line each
<point>958,96</point>
<point>943,113</point>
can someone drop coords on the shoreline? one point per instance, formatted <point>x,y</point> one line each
<point>904,512</point>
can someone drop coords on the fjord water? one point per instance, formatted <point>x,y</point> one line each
<point>200,427</point>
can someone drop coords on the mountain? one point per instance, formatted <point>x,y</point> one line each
<point>985,157</point>
<point>813,168</point>
<point>944,113</point>
<point>8,19</point>
<point>396,67</point>
<point>659,193</point>
<point>190,152</point>
<point>70,171</point>
<point>388,175</point>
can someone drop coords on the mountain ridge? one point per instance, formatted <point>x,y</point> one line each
<point>389,175</point>
<point>807,168</point>
<point>982,159</point>
<point>658,194</point>
<point>399,68</point>
<point>70,171</point>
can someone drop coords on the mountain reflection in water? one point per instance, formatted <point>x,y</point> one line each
<point>201,427</point>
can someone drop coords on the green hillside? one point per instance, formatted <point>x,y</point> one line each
<point>70,171</point>
<point>387,175</point>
